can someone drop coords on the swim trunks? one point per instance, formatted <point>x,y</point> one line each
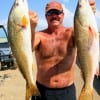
<point>66,93</point>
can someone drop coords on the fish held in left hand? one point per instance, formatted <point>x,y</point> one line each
<point>87,41</point>
<point>19,34</point>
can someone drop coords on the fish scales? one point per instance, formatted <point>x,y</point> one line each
<point>87,41</point>
<point>19,34</point>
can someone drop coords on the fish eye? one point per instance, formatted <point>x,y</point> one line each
<point>80,5</point>
<point>17,4</point>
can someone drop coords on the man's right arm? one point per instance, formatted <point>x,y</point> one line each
<point>33,22</point>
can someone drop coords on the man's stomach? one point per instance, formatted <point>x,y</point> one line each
<point>53,80</point>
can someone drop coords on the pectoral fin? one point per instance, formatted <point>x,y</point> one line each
<point>92,35</point>
<point>24,21</point>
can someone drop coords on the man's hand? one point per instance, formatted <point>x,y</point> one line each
<point>33,19</point>
<point>93,5</point>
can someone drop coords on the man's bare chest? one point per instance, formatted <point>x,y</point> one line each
<point>53,46</point>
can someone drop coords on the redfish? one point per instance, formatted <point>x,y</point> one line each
<point>19,34</point>
<point>87,42</point>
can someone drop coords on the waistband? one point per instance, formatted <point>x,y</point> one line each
<point>39,85</point>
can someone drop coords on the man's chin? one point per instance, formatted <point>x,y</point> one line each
<point>55,23</point>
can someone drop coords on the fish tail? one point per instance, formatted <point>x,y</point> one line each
<point>31,91</point>
<point>86,94</point>
<point>31,88</point>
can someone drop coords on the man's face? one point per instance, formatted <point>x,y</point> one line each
<point>54,17</point>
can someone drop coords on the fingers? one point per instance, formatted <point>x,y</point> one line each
<point>93,5</point>
<point>33,18</point>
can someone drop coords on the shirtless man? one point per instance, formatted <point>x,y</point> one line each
<point>56,55</point>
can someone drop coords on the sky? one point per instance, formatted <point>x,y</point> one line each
<point>39,7</point>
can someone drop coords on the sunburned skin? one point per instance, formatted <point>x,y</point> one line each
<point>56,55</point>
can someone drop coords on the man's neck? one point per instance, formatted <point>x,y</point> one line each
<point>55,29</point>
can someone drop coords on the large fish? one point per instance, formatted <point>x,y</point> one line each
<point>19,34</point>
<point>87,41</point>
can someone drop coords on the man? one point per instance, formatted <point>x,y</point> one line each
<point>56,55</point>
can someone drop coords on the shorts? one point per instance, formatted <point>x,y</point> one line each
<point>66,93</point>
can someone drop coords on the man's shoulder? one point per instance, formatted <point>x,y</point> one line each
<point>70,29</point>
<point>40,32</point>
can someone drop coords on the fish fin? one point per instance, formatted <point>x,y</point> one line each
<point>31,90</point>
<point>78,62</point>
<point>91,35</point>
<point>97,71</point>
<point>24,21</point>
<point>86,94</point>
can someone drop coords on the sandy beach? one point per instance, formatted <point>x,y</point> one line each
<point>12,85</point>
